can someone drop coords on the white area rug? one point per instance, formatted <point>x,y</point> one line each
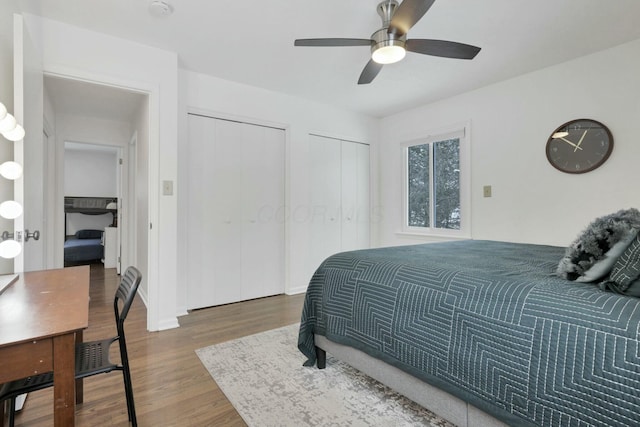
<point>263,377</point>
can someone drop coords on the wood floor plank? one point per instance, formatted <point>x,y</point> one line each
<point>170,385</point>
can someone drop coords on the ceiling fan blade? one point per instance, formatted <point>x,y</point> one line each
<point>332,42</point>
<point>442,48</point>
<point>370,72</point>
<point>407,14</point>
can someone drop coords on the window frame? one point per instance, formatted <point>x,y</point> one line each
<point>460,132</point>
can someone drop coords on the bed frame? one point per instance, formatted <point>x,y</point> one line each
<point>443,404</point>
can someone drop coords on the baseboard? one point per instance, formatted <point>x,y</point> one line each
<point>168,324</point>
<point>296,290</point>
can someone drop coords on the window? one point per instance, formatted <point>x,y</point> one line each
<point>436,185</point>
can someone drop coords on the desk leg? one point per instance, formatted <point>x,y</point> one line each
<point>79,382</point>
<point>64,380</point>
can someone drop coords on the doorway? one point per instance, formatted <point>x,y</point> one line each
<point>96,118</point>
<point>92,189</point>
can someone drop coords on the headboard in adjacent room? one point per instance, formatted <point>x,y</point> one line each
<point>90,206</point>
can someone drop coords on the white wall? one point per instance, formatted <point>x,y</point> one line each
<point>86,55</point>
<point>89,173</point>
<point>299,117</point>
<point>78,221</point>
<point>510,124</point>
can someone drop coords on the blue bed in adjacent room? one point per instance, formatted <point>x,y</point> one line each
<point>91,214</point>
<point>85,245</point>
<point>488,324</point>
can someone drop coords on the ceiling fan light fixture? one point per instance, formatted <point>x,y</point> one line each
<point>388,54</point>
<point>387,48</point>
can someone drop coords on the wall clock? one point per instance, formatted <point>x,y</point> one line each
<point>579,146</point>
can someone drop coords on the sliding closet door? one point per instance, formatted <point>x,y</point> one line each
<point>235,242</point>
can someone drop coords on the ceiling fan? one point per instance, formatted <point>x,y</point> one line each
<point>389,44</point>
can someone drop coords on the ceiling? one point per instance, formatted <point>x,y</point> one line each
<point>251,42</point>
<point>73,97</point>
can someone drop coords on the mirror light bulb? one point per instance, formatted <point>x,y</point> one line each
<point>8,123</point>
<point>10,249</point>
<point>11,170</point>
<point>16,134</point>
<point>10,209</point>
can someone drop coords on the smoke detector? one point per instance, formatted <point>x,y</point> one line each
<point>160,8</point>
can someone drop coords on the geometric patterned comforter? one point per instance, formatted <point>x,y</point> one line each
<point>488,322</point>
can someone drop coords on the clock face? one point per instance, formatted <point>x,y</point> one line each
<point>579,146</point>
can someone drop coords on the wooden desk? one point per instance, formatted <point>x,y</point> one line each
<point>42,315</point>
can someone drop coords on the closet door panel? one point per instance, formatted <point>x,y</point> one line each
<point>349,193</point>
<point>262,201</point>
<point>198,151</point>
<point>363,204</point>
<point>324,199</point>
<point>355,196</point>
<point>223,192</point>
<point>272,213</point>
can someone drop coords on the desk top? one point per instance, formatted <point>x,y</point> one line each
<point>42,304</point>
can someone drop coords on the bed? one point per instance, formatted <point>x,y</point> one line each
<point>84,246</point>
<point>480,332</point>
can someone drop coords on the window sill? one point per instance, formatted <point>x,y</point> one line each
<point>433,236</point>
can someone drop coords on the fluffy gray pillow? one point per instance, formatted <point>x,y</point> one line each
<point>596,240</point>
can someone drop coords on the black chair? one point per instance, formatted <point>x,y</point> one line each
<point>91,357</point>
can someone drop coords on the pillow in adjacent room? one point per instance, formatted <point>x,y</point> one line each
<point>604,266</point>
<point>593,244</point>
<point>89,234</point>
<point>625,275</point>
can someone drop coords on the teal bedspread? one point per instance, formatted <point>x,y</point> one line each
<point>488,322</point>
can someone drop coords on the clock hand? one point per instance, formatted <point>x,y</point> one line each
<point>580,142</point>
<point>571,143</point>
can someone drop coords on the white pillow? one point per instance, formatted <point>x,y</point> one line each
<point>604,266</point>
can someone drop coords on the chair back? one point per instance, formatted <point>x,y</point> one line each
<point>126,293</point>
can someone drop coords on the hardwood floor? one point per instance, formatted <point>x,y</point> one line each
<point>171,387</point>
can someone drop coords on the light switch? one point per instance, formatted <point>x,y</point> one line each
<point>167,188</point>
<point>486,191</point>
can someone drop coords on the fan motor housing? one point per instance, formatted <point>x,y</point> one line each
<point>386,10</point>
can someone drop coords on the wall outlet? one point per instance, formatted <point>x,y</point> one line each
<point>486,191</point>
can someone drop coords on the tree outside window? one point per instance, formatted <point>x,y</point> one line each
<point>433,185</point>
